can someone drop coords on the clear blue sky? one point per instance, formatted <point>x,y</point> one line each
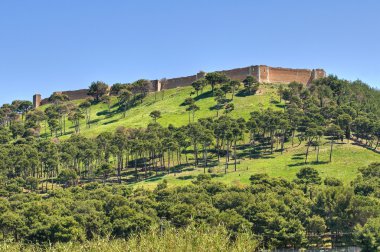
<point>47,46</point>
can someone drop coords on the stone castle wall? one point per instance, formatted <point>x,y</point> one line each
<point>72,94</point>
<point>180,82</point>
<point>264,74</point>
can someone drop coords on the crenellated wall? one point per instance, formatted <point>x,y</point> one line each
<point>263,73</point>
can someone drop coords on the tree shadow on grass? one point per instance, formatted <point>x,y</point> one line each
<point>110,122</point>
<point>188,169</point>
<point>187,177</point>
<point>319,162</point>
<point>280,106</point>
<point>274,102</point>
<point>366,147</point>
<point>297,164</point>
<point>105,112</point>
<point>219,175</point>
<point>155,177</point>
<point>203,96</point>
<point>243,93</point>
<point>95,121</point>
<point>299,154</point>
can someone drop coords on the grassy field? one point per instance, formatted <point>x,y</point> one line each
<point>171,110</point>
<point>347,158</point>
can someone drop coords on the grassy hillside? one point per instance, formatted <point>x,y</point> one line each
<point>170,107</point>
<point>347,157</point>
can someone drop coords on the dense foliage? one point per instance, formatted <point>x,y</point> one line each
<point>52,191</point>
<point>276,212</point>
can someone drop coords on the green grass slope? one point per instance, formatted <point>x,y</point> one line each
<point>347,157</point>
<point>169,103</point>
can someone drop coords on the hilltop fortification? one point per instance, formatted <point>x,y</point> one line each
<point>264,74</point>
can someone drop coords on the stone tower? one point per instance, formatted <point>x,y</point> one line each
<point>36,100</point>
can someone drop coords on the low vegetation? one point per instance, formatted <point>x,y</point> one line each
<point>270,213</point>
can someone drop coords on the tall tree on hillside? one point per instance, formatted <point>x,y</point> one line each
<point>141,87</point>
<point>58,98</point>
<point>311,134</point>
<point>308,177</point>
<point>63,110</point>
<point>234,84</point>
<point>192,108</point>
<point>75,116</point>
<point>280,92</point>
<point>226,88</point>
<point>344,121</point>
<point>215,78</point>
<point>376,133</point>
<point>220,100</point>
<point>105,170</point>
<point>86,106</point>
<point>363,126</point>
<point>124,99</point>
<point>206,140</point>
<point>194,132</point>
<point>98,89</point>
<point>198,85</point>
<point>117,87</point>
<point>334,132</point>
<point>22,107</point>
<point>156,114</point>
<point>251,85</point>
<point>106,99</point>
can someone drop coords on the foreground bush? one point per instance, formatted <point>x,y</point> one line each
<point>188,239</point>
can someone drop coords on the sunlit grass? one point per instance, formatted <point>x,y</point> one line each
<point>171,110</point>
<point>347,158</point>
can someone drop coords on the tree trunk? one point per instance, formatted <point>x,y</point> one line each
<point>271,142</point>
<point>168,162</point>
<point>227,147</point>
<point>282,142</point>
<point>318,153</point>
<point>196,154</point>
<point>293,132</point>
<point>307,150</point>
<point>331,149</point>
<point>119,170</point>
<point>235,154</point>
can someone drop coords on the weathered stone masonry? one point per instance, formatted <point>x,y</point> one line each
<point>264,74</point>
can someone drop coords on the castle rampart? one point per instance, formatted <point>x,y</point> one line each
<point>263,73</point>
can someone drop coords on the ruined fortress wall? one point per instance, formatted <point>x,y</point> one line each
<point>263,73</point>
<point>72,94</point>
<point>180,82</point>
<point>286,75</point>
<point>76,94</point>
<point>238,73</point>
